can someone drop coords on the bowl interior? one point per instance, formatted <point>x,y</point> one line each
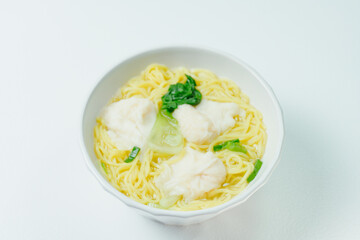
<point>260,94</point>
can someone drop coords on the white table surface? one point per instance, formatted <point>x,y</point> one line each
<point>51,54</point>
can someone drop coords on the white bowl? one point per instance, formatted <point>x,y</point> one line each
<point>224,65</point>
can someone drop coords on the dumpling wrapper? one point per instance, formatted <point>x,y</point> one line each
<point>203,123</point>
<point>195,126</point>
<point>221,114</point>
<point>195,174</point>
<point>129,122</point>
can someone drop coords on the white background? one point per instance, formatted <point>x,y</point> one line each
<point>52,53</point>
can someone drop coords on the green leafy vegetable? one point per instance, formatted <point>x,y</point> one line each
<point>181,93</point>
<point>257,167</point>
<point>232,145</point>
<point>134,152</point>
<point>165,136</point>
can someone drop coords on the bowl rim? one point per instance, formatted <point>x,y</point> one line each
<point>172,213</point>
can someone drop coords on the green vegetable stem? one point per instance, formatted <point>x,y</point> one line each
<point>165,136</point>
<point>232,145</point>
<point>104,167</point>
<point>134,152</point>
<point>257,167</point>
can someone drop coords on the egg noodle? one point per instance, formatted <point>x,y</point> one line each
<point>136,179</point>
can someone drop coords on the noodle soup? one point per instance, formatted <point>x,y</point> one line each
<point>180,139</point>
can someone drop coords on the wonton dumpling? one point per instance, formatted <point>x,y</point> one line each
<point>195,126</point>
<point>129,122</point>
<point>195,174</point>
<point>201,124</point>
<point>221,114</point>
